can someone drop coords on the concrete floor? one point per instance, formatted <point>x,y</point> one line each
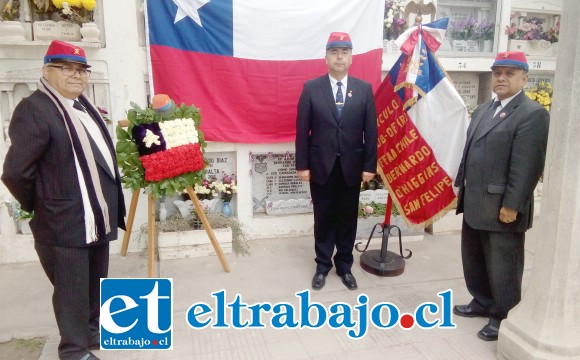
<point>274,272</point>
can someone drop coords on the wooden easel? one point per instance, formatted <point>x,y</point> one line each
<point>151,244</point>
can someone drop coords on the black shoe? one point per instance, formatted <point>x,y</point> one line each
<point>468,311</point>
<point>488,333</point>
<point>349,281</point>
<point>318,281</point>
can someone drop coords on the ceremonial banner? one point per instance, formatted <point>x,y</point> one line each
<point>244,63</point>
<point>422,124</point>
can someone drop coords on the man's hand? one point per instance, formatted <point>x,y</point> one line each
<point>507,215</point>
<point>304,175</point>
<point>367,176</point>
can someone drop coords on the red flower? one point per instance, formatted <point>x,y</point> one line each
<point>173,162</point>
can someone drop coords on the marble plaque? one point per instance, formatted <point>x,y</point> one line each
<point>219,163</point>
<point>274,178</point>
<point>535,80</point>
<point>467,85</point>
<point>376,196</point>
<point>287,207</point>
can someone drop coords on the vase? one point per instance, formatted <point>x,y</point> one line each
<point>227,209</point>
<point>487,46</point>
<point>24,226</point>
<point>471,45</point>
<point>518,45</point>
<point>539,48</point>
<point>90,32</point>
<point>459,45</point>
<point>390,47</point>
<point>12,30</point>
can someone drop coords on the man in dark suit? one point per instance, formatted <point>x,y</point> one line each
<point>336,149</point>
<point>502,162</point>
<point>61,165</point>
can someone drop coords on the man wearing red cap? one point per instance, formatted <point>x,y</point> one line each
<point>502,163</point>
<point>336,149</point>
<point>61,165</point>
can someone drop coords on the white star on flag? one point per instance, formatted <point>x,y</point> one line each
<point>150,138</point>
<point>189,8</point>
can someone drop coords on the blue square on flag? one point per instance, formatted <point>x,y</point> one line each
<point>136,314</point>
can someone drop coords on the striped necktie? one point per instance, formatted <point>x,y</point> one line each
<point>339,98</point>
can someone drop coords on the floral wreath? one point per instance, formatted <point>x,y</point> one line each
<point>162,149</point>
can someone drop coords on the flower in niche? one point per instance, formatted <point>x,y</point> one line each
<point>227,187</point>
<point>542,94</point>
<point>21,214</point>
<point>466,29</point>
<point>486,29</point>
<point>532,28</point>
<point>207,189</point>
<point>394,23</point>
<point>78,11</point>
<point>9,10</point>
<point>104,114</point>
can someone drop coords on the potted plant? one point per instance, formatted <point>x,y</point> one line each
<point>60,19</point>
<point>394,24</point>
<point>529,36</point>
<point>208,194</point>
<point>227,187</point>
<point>542,94</point>
<point>43,10</point>
<point>81,13</point>
<point>486,31</point>
<point>11,28</point>
<point>465,35</point>
<point>553,36</point>
<point>23,218</point>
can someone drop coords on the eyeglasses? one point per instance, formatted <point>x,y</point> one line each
<point>71,71</point>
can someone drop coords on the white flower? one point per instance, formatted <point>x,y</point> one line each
<point>179,132</point>
<point>66,8</point>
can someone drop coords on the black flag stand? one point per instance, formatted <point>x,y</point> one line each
<point>382,262</point>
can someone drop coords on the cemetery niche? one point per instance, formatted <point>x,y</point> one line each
<point>276,189</point>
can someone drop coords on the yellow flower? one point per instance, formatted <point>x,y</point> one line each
<point>57,3</point>
<point>75,3</point>
<point>542,94</point>
<point>89,4</point>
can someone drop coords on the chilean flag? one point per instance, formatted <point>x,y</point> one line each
<point>244,62</point>
<point>422,124</point>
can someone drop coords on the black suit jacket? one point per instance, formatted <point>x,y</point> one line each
<point>502,163</point>
<point>321,135</point>
<point>39,170</point>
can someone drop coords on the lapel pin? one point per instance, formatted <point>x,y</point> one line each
<point>349,94</point>
<point>502,115</point>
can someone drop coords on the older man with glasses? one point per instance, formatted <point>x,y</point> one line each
<point>61,165</point>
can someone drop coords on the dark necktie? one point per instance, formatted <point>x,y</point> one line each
<point>490,113</point>
<point>77,105</point>
<point>339,98</point>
